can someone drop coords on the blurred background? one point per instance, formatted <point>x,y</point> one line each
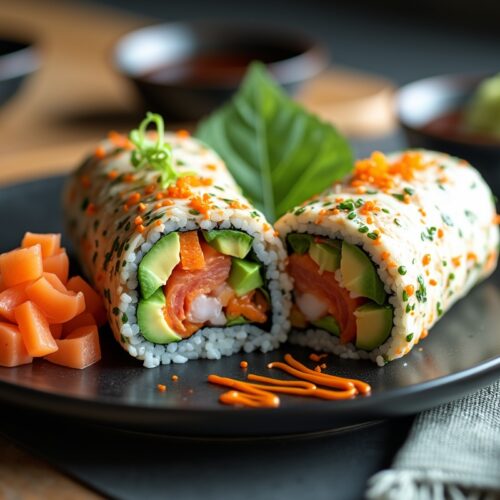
<point>78,92</point>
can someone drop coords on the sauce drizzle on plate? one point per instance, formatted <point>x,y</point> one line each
<point>261,392</point>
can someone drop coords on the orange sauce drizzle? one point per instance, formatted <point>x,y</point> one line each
<point>260,391</point>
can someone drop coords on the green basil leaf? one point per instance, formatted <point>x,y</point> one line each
<point>279,153</point>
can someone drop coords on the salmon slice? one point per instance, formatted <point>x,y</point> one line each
<point>183,286</point>
<point>35,330</point>
<point>12,349</point>
<point>20,265</point>
<point>93,301</point>
<point>79,349</point>
<point>57,264</point>
<point>11,298</point>
<point>49,243</point>
<point>307,278</point>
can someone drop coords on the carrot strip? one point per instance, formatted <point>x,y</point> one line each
<point>192,257</point>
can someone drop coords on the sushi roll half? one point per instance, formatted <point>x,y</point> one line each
<point>188,268</point>
<point>378,259</point>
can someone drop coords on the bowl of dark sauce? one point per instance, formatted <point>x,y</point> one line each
<point>186,70</point>
<point>18,59</point>
<point>432,114</point>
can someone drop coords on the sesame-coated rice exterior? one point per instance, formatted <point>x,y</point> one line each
<point>115,213</point>
<point>427,220</point>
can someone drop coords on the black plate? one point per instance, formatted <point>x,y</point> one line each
<point>461,355</point>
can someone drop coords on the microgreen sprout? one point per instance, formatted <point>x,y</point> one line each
<point>155,154</point>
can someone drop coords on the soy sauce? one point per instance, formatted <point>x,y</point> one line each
<point>213,67</point>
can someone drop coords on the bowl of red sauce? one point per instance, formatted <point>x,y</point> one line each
<point>433,115</point>
<point>186,70</point>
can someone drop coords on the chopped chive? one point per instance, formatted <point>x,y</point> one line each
<point>192,211</point>
<point>439,309</point>
<point>359,202</point>
<point>351,216</point>
<point>409,337</point>
<point>402,270</point>
<point>371,191</point>
<point>445,263</point>
<point>300,211</point>
<point>405,295</point>
<point>409,191</point>
<point>398,196</point>
<point>372,236</point>
<point>124,318</point>
<point>386,211</point>
<point>346,205</point>
<point>408,308</point>
<point>396,221</point>
<point>363,229</point>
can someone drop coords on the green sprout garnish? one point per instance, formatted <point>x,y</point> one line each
<point>155,154</point>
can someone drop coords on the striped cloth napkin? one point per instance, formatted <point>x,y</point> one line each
<point>452,452</point>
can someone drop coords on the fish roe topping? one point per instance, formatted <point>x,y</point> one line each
<point>183,134</point>
<point>202,204</point>
<point>100,152</point>
<point>161,387</point>
<point>112,175</point>
<point>119,140</point>
<point>380,172</point>
<point>133,199</point>
<point>244,364</point>
<point>426,259</point>
<point>175,378</point>
<point>237,205</point>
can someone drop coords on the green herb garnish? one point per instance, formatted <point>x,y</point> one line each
<point>402,270</point>
<point>154,154</point>
<point>279,153</point>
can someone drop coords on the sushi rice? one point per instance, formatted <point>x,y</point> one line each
<point>449,217</point>
<point>110,248</point>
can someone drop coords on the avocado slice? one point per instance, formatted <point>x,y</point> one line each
<point>152,321</point>
<point>325,255</point>
<point>359,274</point>
<point>244,276</point>
<point>373,325</point>
<point>328,323</point>
<point>299,242</point>
<point>237,320</point>
<point>229,242</point>
<point>157,265</point>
